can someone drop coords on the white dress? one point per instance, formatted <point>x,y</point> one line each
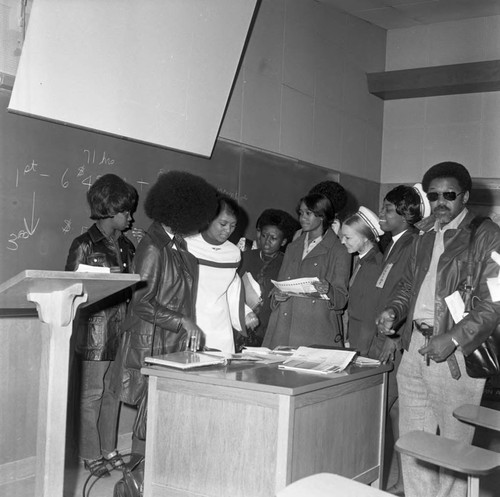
<point>218,301</point>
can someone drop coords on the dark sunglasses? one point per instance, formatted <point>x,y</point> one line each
<point>450,196</point>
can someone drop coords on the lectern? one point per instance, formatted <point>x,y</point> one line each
<point>56,296</point>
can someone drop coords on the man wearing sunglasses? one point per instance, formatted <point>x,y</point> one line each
<point>432,378</point>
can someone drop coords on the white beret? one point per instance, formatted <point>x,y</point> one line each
<point>425,206</point>
<point>371,220</point>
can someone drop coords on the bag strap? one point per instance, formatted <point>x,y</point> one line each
<point>474,225</point>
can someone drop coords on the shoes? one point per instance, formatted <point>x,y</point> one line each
<point>394,490</point>
<point>97,467</point>
<point>115,459</point>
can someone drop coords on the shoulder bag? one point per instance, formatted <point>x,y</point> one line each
<point>484,361</point>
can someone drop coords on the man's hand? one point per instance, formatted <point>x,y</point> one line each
<point>388,352</point>
<point>385,322</point>
<point>439,349</point>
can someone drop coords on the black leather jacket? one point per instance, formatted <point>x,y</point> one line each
<point>153,326</point>
<point>99,326</point>
<point>471,331</point>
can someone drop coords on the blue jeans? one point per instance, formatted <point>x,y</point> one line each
<point>99,411</point>
<point>428,395</point>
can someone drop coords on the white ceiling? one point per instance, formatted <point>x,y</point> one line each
<point>392,14</point>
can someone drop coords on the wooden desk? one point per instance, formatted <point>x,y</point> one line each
<point>250,430</point>
<point>56,296</point>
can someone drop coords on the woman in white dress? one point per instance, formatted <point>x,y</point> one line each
<point>219,303</point>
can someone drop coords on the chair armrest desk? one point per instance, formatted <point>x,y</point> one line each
<point>250,430</point>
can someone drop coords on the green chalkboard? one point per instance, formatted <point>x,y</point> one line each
<point>47,168</point>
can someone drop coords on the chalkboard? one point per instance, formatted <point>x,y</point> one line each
<point>47,169</point>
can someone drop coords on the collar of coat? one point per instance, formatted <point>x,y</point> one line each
<point>427,224</point>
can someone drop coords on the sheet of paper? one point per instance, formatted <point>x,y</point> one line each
<point>252,291</point>
<point>299,287</point>
<point>85,268</point>
<point>456,306</point>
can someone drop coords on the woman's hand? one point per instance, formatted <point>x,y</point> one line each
<point>194,334</point>
<point>251,320</point>
<point>385,322</point>
<point>280,296</point>
<point>322,286</point>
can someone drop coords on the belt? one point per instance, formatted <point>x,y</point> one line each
<point>424,328</point>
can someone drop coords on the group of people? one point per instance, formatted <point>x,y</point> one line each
<point>192,296</point>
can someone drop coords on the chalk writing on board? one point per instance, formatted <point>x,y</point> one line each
<point>92,158</point>
<point>234,195</point>
<point>27,232</point>
<point>67,226</point>
<point>30,169</point>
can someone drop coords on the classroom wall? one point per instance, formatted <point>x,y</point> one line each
<point>420,132</point>
<point>301,89</point>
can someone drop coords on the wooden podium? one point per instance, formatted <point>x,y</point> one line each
<point>56,295</point>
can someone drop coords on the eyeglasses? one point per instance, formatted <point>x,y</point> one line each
<point>450,196</point>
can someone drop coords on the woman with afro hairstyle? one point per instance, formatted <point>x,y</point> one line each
<point>161,315</point>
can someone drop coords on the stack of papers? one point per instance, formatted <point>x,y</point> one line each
<point>265,355</point>
<point>187,359</point>
<point>300,287</point>
<point>320,361</point>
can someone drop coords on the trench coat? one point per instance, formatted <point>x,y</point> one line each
<point>311,321</point>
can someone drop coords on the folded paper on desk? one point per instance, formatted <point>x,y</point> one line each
<point>320,361</point>
<point>300,287</point>
<point>187,359</point>
<point>85,268</point>
<point>366,361</point>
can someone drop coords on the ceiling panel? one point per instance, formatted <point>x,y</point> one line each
<point>392,14</point>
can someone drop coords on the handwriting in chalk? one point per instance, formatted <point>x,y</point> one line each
<point>30,169</point>
<point>67,226</point>
<point>234,195</point>
<point>27,232</point>
<point>106,160</point>
<point>90,156</point>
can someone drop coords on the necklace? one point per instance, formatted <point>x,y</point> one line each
<point>264,258</point>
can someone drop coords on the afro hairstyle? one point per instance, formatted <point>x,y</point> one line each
<point>407,203</point>
<point>110,195</point>
<point>332,191</point>
<point>448,170</point>
<point>183,201</point>
<point>284,221</point>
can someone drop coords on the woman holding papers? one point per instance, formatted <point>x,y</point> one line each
<point>314,319</point>
<point>274,229</point>
<point>360,234</point>
<point>161,315</point>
